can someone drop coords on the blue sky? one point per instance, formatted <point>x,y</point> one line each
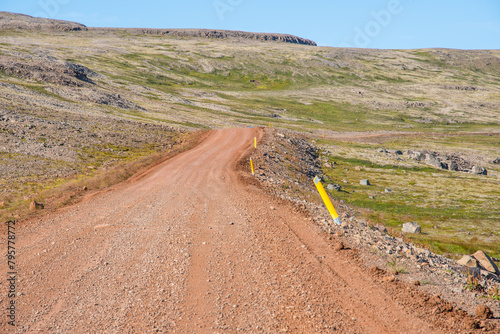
<point>389,24</point>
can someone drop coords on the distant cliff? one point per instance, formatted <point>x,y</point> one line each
<point>213,33</point>
<point>26,22</point>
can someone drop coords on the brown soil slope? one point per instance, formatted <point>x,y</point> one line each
<point>195,246</point>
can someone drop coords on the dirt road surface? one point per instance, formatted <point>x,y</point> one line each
<point>194,246</point>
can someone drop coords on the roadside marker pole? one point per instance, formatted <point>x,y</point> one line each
<point>269,125</point>
<point>326,199</point>
<point>255,142</point>
<point>251,165</point>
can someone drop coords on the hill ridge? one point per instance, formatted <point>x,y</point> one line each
<point>20,21</point>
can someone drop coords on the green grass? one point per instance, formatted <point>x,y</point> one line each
<point>464,208</point>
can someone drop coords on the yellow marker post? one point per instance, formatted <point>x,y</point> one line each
<point>269,125</point>
<point>251,165</point>
<point>255,142</point>
<point>326,199</point>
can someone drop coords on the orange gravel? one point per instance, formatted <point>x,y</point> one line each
<point>195,246</point>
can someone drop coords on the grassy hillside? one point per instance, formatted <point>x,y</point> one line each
<point>438,96</point>
<point>242,82</point>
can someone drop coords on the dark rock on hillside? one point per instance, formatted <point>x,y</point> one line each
<point>451,162</point>
<point>47,69</point>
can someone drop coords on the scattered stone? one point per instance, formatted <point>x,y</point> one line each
<point>364,182</point>
<point>36,206</point>
<point>381,228</point>
<point>387,190</point>
<point>416,283</point>
<point>357,168</point>
<point>2,204</point>
<point>339,246</point>
<point>337,187</point>
<point>398,152</point>
<point>85,188</point>
<point>496,161</point>
<point>468,261</point>
<point>483,312</point>
<point>412,228</point>
<point>486,262</point>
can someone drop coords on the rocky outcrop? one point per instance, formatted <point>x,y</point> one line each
<point>215,34</point>
<point>47,70</point>
<point>451,162</point>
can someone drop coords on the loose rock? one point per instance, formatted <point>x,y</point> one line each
<point>412,228</point>
<point>339,246</point>
<point>468,261</point>
<point>484,312</point>
<point>36,206</point>
<point>486,262</point>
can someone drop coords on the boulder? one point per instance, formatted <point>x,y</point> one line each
<point>468,261</point>
<point>337,187</point>
<point>479,170</point>
<point>364,182</point>
<point>486,262</point>
<point>411,228</point>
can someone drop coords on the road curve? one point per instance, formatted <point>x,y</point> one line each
<point>190,247</point>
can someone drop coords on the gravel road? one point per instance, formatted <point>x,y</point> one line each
<point>195,246</point>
